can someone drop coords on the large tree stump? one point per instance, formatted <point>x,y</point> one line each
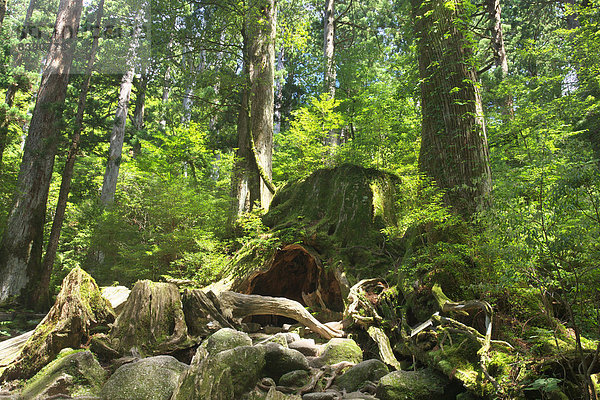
<point>78,309</point>
<point>152,321</point>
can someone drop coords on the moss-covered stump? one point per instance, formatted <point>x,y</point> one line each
<point>151,322</point>
<point>73,373</point>
<point>322,227</point>
<point>79,308</point>
<point>153,378</point>
<point>350,204</point>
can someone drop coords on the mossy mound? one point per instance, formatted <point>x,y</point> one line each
<point>412,385</point>
<point>73,373</point>
<point>350,204</point>
<point>153,378</point>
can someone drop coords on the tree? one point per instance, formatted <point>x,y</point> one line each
<point>21,246</point>
<point>67,175</point>
<point>500,60</point>
<point>117,137</point>
<point>454,150</point>
<point>253,171</point>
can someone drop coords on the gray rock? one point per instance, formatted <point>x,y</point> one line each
<point>355,377</point>
<point>305,346</point>
<point>226,339</point>
<point>321,396</point>
<point>280,360</point>
<point>296,378</point>
<point>71,373</point>
<point>152,378</point>
<point>425,384</point>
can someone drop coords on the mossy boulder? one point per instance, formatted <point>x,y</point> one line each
<point>338,350</point>
<point>296,378</point>
<point>72,373</point>
<point>280,360</point>
<point>222,376</point>
<point>355,377</point>
<point>226,339</point>
<point>424,384</point>
<point>153,378</point>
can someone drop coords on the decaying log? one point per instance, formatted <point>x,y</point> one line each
<point>362,310</point>
<point>79,307</point>
<point>385,349</point>
<point>152,321</point>
<point>10,349</point>
<point>236,305</point>
<point>201,309</point>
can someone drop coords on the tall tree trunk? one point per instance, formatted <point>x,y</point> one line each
<point>495,14</point>
<point>329,53</point>
<point>2,12</point>
<point>21,247</point>
<point>279,92</point>
<point>117,136</point>
<point>42,294</point>
<point>454,150</point>
<point>253,171</point>
<point>140,103</point>
<point>329,47</point>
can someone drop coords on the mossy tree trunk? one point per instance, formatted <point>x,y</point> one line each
<point>78,309</point>
<point>454,149</point>
<point>21,247</point>
<point>253,171</point>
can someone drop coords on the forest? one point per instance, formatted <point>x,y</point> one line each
<point>300,199</point>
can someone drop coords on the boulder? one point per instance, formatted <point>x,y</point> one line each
<point>425,384</point>
<point>338,350</point>
<point>153,378</point>
<point>222,376</point>
<point>305,346</point>
<point>295,379</point>
<point>280,360</point>
<point>72,373</point>
<point>355,377</point>
<point>226,339</point>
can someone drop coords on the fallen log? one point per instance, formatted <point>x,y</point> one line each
<point>237,305</point>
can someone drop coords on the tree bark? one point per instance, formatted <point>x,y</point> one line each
<point>329,47</point>
<point>41,295</point>
<point>21,247</point>
<point>501,61</point>
<point>117,137</point>
<point>253,171</point>
<point>454,150</point>
<point>329,53</point>
<point>2,12</point>
<point>140,103</point>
